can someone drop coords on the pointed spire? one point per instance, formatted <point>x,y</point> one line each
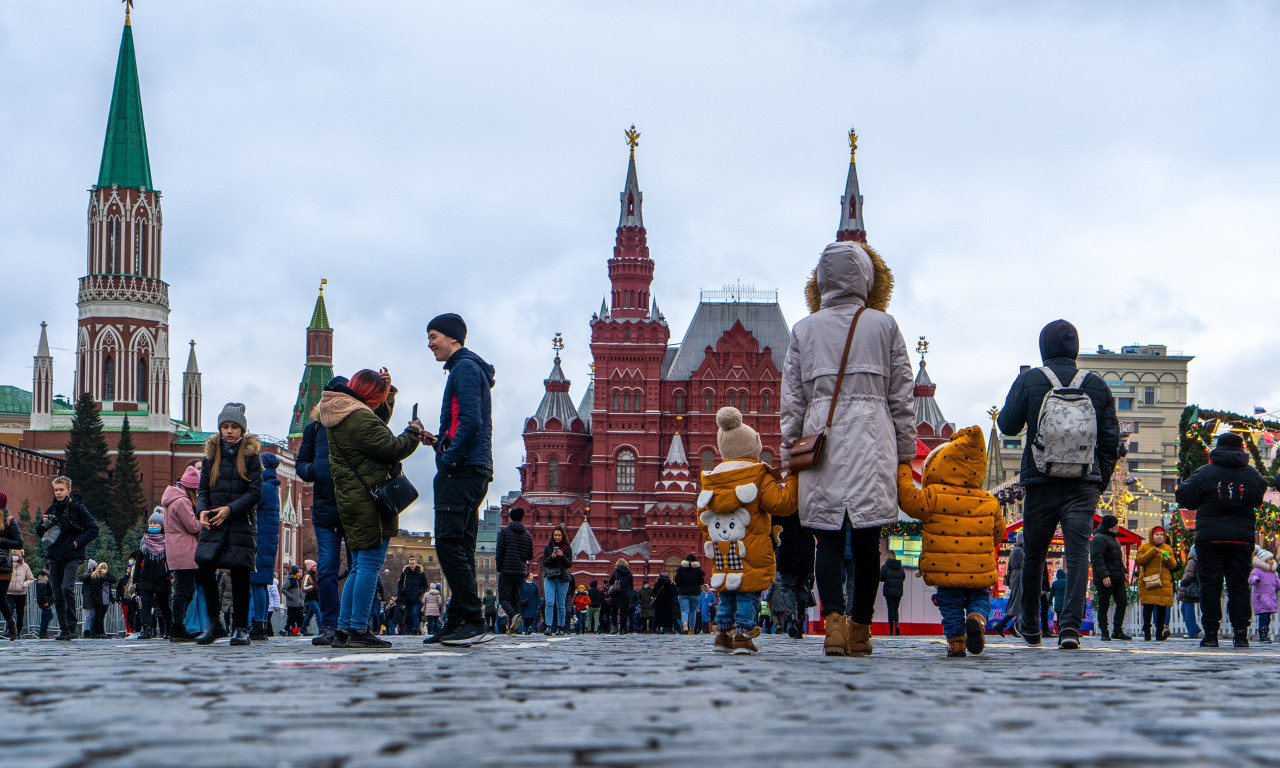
<point>320,316</point>
<point>631,197</point>
<point>604,309</point>
<point>192,366</point>
<point>43,350</point>
<point>675,455</point>
<point>995,465</point>
<point>851,226</point>
<point>555,402</point>
<point>585,541</point>
<point>125,161</point>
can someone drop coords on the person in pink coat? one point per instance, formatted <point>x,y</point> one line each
<point>1266,586</point>
<point>181,534</point>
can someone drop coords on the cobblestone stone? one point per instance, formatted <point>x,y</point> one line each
<point>633,701</point>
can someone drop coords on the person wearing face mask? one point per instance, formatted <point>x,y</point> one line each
<point>20,579</point>
<point>1156,563</point>
<point>151,579</point>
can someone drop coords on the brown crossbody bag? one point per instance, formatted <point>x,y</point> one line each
<point>806,452</point>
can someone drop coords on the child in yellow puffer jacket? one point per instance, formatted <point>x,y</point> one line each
<point>963,525</point>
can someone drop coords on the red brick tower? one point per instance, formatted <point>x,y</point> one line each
<point>851,226</point>
<point>557,445</point>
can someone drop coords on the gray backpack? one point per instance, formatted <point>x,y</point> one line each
<point>1067,430</point>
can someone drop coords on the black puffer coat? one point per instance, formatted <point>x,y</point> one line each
<point>150,572</point>
<point>76,529</point>
<point>893,576</point>
<point>10,539</point>
<point>1225,494</point>
<point>1107,558</point>
<point>234,543</point>
<point>689,578</point>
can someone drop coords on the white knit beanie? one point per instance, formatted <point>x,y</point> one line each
<point>735,439</point>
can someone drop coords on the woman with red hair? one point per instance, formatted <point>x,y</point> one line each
<point>364,454</point>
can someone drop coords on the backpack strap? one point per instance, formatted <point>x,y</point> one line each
<point>1078,381</point>
<point>1054,382</point>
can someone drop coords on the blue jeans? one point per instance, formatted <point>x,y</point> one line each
<point>956,603</point>
<point>740,608</point>
<point>556,592</point>
<point>1189,618</point>
<point>328,563</point>
<point>258,602</point>
<point>362,583</point>
<point>1264,621</point>
<point>412,618</point>
<point>313,609</point>
<point>689,609</point>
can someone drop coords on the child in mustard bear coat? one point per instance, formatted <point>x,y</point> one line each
<point>735,512</point>
<point>963,525</point>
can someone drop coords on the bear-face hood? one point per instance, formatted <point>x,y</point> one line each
<point>849,273</point>
<point>960,462</point>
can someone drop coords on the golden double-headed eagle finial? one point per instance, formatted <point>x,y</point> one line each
<point>993,412</point>
<point>853,144</point>
<point>633,138</point>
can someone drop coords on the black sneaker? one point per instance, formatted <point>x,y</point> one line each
<point>324,638</point>
<point>340,637</point>
<point>63,636</point>
<point>448,627</point>
<point>467,633</point>
<point>1120,635</point>
<point>1031,640</point>
<point>1210,640</point>
<point>365,639</point>
<point>1069,640</point>
<point>1240,638</point>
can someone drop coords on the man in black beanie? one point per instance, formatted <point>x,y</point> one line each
<point>1110,578</point>
<point>464,469</point>
<point>1225,494</point>
<point>1052,497</point>
<point>515,550</point>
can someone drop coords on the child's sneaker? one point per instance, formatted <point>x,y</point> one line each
<point>742,645</point>
<point>724,643</point>
<point>975,638</point>
<point>955,647</point>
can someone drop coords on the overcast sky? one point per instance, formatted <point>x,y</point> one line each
<point>1112,163</point>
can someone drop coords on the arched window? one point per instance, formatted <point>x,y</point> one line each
<point>708,460</point>
<point>707,405</point>
<point>626,472</point>
<point>139,246</point>
<point>766,457</point>
<point>140,393</point>
<point>626,334</point>
<point>113,245</point>
<point>553,475</point>
<point>617,401</point>
<point>765,402</point>
<point>679,402</point>
<point>109,378</point>
<point>626,402</point>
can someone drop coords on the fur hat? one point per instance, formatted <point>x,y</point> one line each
<point>1230,441</point>
<point>451,325</point>
<point>234,413</point>
<point>735,439</point>
<point>190,479</point>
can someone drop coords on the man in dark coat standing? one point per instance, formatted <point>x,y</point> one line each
<point>464,469</point>
<point>409,591</point>
<point>1109,577</point>
<point>76,530</point>
<point>1053,501</point>
<point>515,550</point>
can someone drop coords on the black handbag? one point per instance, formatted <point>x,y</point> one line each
<point>392,497</point>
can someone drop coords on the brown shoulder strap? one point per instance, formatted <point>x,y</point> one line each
<point>844,360</point>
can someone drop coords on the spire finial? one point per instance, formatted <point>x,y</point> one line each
<point>993,412</point>
<point>853,144</point>
<point>922,348</point>
<point>633,138</point>
<point>128,6</point>
<point>557,344</point>
<point>323,283</point>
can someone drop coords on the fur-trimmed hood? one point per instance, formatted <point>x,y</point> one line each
<point>334,407</point>
<point>250,445</point>
<point>849,273</point>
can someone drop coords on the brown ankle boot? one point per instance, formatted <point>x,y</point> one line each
<point>955,647</point>
<point>859,639</point>
<point>836,642</point>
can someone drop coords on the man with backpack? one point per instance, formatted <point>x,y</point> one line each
<point>1071,448</point>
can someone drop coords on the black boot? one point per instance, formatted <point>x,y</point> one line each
<point>259,631</point>
<point>1103,634</point>
<point>240,636</point>
<point>1146,633</point>
<point>1240,638</point>
<point>214,631</point>
<point>1264,635</point>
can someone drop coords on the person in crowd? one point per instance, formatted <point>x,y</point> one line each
<point>19,580</point>
<point>225,597</point>
<point>1266,587</point>
<point>529,601</point>
<point>621,592</point>
<point>181,536</point>
<point>1063,493</point>
<point>1013,581</point>
<point>739,499</point>
<point>310,596</point>
<point>1109,578</point>
<point>644,604</point>
<point>490,603</point>
<point>151,579</point>
<point>851,344</point>
<point>512,556</point>
<point>1058,594</point>
<point>268,541</point>
<point>963,525</point>
<point>1225,494</point>
<point>665,606</point>
<point>581,603</point>
<point>65,549</point>
<point>893,577</point>
<point>410,588</point>
<point>294,601</point>
<point>275,601</point>
<point>464,469</point>
<point>230,487</point>
<point>126,595</point>
<point>1046,585</point>
<point>100,590</point>
<point>86,601</point>
<point>765,619</point>
<point>1156,563</point>
<point>44,601</point>
<point>689,580</point>
<point>10,543</point>
<point>707,604</point>
<point>595,606</point>
<point>557,559</point>
<point>432,608</point>
<point>1189,595</point>
<point>364,454</point>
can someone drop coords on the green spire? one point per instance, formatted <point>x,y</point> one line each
<point>124,154</point>
<point>320,317</point>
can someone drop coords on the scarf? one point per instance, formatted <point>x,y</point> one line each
<point>153,543</point>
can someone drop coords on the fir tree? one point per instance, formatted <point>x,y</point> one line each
<point>104,550</point>
<point>1192,454</point>
<point>128,504</point>
<point>87,462</point>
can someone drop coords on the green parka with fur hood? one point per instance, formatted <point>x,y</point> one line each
<point>358,436</point>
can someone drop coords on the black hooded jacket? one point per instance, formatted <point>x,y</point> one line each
<point>1059,346</point>
<point>1225,492</point>
<point>76,528</point>
<point>1106,557</point>
<point>515,549</point>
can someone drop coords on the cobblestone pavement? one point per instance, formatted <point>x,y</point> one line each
<point>634,701</point>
